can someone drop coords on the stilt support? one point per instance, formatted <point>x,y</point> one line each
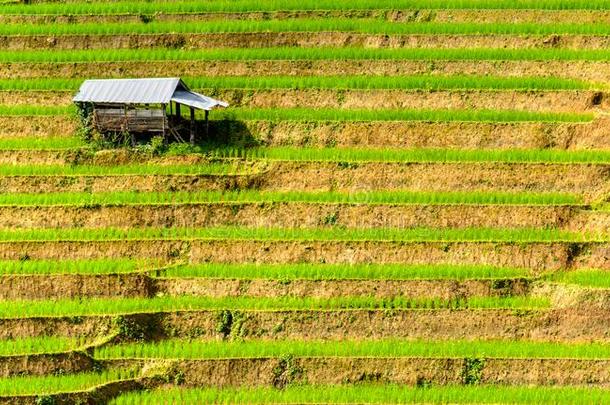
<point>207,124</point>
<point>192,126</point>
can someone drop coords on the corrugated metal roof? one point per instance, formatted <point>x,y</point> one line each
<point>143,91</point>
<point>197,100</point>
<point>128,91</point>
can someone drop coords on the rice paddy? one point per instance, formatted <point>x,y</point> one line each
<point>60,267</point>
<point>361,348</point>
<point>326,114</point>
<point>301,234</point>
<point>53,384</point>
<point>593,278</point>
<point>327,238</point>
<point>297,54</point>
<point>49,143</point>
<point>362,26</point>
<point>252,196</point>
<point>215,168</point>
<point>419,82</point>
<point>124,306</point>
<point>370,394</point>
<point>135,7</point>
<point>417,155</point>
<point>40,345</point>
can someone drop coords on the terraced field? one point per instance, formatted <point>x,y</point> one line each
<point>408,201</point>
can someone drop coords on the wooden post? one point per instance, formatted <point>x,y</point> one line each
<point>164,108</point>
<point>192,126</point>
<point>207,124</point>
<point>124,125</point>
<point>132,138</point>
<point>178,112</point>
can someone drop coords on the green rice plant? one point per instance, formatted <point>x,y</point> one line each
<point>251,271</point>
<point>326,114</point>
<point>364,26</point>
<point>123,306</point>
<point>211,169</point>
<point>416,82</point>
<point>41,143</point>
<point>554,156</point>
<point>603,207</point>
<point>420,82</point>
<point>443,115</point>
<point>594,278</point>
<point>255,196</point>
<point>61,267</point>
<point>189,349</point>
<point>40,345</point>
<point>35,110</point>
<point>293,53</point>
<point>369,394</point>
<point>302,234</point>
<point>189,6</point>
<point>55,384</point>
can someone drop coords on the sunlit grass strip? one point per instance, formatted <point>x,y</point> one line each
<point>36,110</point>
<point>255,196</point>
<point>593,278</point>
<point>118,306</point>
<point>343,272</point>
<point>361,82</point>
<point>364,26</point>
<point>417,155</point>
<point>445,115</point>
<point>369,394</point>
<point>58,267</point>
<point>422,82</point>
<point>183,349</point>
<point>55,384</point>
<point>189,6</point>
<point>605,207</point>
<point>39,345</point>
<point>41,143</point>
<point>302,234</point>
<point>323,114</point>
<point>293,53</point>
<point>212,169</point>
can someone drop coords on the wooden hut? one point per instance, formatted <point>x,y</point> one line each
<point>151,106</point>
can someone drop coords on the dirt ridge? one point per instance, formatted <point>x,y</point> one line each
<point>591,180</point>
<point>456,135</point>
<point>301,39</point>
<point>457,15</point>
<point>19,287</point>
<point>597,71</point>
<point>301,215</point>
<point>538,256</point>
<point>552,101</point>
<point>575,324</point>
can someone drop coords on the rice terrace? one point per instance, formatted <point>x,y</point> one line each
<point>304,201</point>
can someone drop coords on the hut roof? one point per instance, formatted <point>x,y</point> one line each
<point>143,91</point>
